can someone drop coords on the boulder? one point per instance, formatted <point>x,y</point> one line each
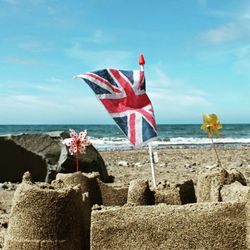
<point>15,160</point>
<point>44,156</point>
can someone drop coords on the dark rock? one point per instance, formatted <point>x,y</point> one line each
<point>15,160</point>
<point>44,156</point>
<point>91,161</point>
<point>41,144</point>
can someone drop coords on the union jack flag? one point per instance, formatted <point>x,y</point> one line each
<point>124,96</point>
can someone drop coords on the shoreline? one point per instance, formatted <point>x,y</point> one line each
<point>122,144</point>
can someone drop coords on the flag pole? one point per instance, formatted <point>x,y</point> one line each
<point>152,164</point>
<point>142,62</point>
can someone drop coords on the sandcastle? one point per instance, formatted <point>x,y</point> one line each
<point>46,217</point>
<point>59,216</point>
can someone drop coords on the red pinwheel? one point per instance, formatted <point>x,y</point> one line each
<point>77,144</point>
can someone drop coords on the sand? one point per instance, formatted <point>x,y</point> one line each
<point>174,166</point>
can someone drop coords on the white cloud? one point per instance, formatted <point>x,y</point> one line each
<point>217,56</point>
<point>242,63</point>
<point>172,106</point>
<point>100,59</point>
<point>19,61</point>
<point>224,33</point>
<point>29,109</point>
<point>34,46</point>
<point>98,37</point>
<point>158,77</point>
<point>238,57</point>
<point>235,28</point>
<point>173,97</point>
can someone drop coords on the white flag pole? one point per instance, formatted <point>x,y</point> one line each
<point>142,62</point>
<point>152,164</point>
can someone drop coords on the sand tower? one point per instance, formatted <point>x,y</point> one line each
<point>47,217</point>
<point>88,184</point>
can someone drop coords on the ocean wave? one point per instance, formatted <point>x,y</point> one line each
<point>123,143</point>
<point>192,140</point>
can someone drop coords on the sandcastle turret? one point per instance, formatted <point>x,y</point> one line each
<point>47,217</point>
<point>139,193</point>
<point>87,182</point>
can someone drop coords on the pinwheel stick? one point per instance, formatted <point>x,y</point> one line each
<point>77,159</point>
<point>214,147</point>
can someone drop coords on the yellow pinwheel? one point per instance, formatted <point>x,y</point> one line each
<point>211,124</point>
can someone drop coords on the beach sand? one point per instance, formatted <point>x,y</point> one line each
<point>174,166</point>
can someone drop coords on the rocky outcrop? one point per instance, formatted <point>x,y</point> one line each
<point>15,160</point>
<point>44,156</point>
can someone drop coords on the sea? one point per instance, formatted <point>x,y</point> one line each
<point>109,137</point>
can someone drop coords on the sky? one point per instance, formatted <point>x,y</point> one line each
<point>197,56</point>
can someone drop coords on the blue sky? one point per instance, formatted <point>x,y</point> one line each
<point>197,57</point>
